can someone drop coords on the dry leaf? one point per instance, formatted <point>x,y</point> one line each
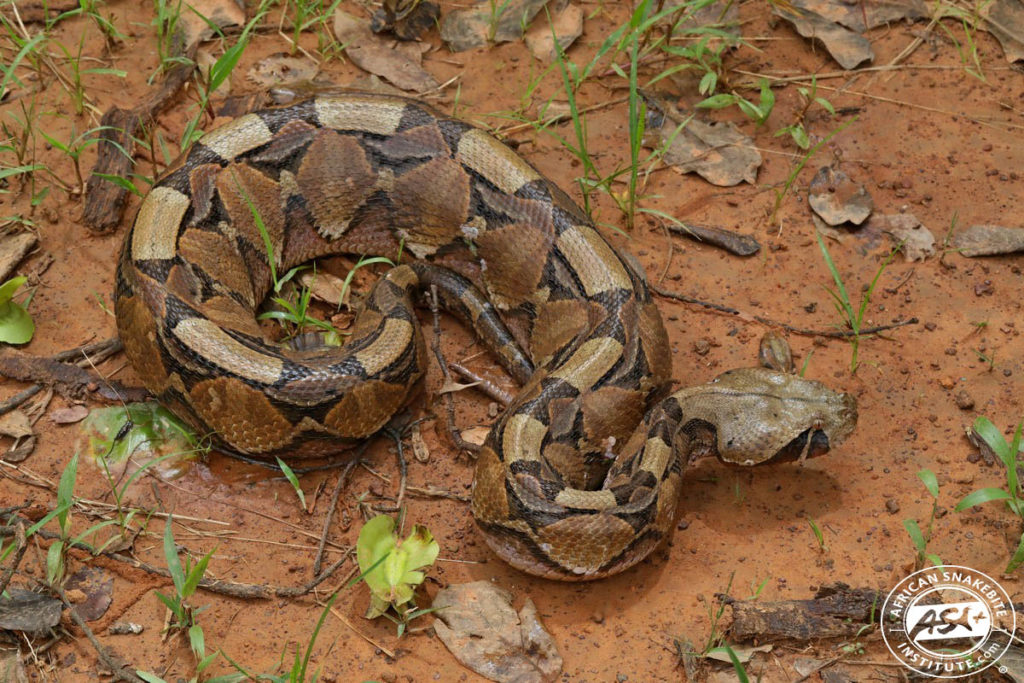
<point>325,287</point>
<point>718,152</point>
<point>567,25</point>
<point>199,21</point>
<point>916,241</point>
<point>23,610</point>
<point>476,435</point>
<point>477,624</point>
<point>450,387</point>
<point>488,22</point>
<point>837,199</point>
<point>69,415</point>
<point>13,248</point>
<point>282,70</point>
<point>989,240</point>
<point>400,64</point>
<point>419,446</point>
<point>407,19</point>
<point>95,586</point>
<point>15,424</point>
<point>860,16</point>
<point>1004,19</point>
<point>846,47</point>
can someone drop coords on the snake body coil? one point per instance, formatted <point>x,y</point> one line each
<point>510,252</point>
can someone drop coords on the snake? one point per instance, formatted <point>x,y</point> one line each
<point>580,476</point>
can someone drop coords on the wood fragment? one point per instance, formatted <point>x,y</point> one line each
<point>837,610</point>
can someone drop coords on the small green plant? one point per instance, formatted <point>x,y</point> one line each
<point>289,474</point>
<point>988,359</point>
<point>393,583</point>
<point>796,129</point>
<point>841,299</point>
<point>56,554</point>
<point>16,325</point>
<point>758,113</point>
<point>1008,453</point>
<point>74,62</point>
<point>818,535</point>
<point>307,14</point>
<point>919,538</point>
<point>186,580</point>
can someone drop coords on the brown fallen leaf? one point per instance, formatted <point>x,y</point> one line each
<point>17,425</point>
<point>837,199</point>
<point>916,241</point>
<point>567,25</point>
<point>488,22</point>
<point>848,48</point>
<point>718,152</point>
<point>282,70</point>
<point>23,610</point>
<point>203,18</point>
<point>407,19</point>
<point>476,435</point>
<point>13,248</point>
<point>860,16</point>
<point>96,586</point>
<point>1004,19</point>
<point>989,240</point>
<point>399,64</point>
<point>69,415</point>
<point>478,625</point>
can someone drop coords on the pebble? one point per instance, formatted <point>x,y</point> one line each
<point>947,382</point>
<point>701,347</point>
<point>963,400</point>
<point>597,617</point>
<point>124,628</point>
<point>892,506</point>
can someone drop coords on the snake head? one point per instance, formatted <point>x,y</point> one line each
<point>761,415</point>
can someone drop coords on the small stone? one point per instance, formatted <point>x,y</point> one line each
<point>930,326</point>
<point>701,347</point>
<point>947,382</point>
<point>892,506</point>
<point>964,400</point>
<point>983,288</point>
<point>597,617</point>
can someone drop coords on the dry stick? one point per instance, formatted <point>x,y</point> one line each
<point>342,478</point>
<point>435,346</point>
<point>833,334</point>
<point>403,472</point>
<point>362,635</point>
<point>481,383</point>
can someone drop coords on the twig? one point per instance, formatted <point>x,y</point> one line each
<point>403,471</point>
<point>359,633</point>
<point>435,346</point>
<point>342,478</point>
<point>832,334</point>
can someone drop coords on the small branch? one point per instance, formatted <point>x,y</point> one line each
<point>342,478</point>
<point>435,346</point>
<point>122,670</point>
<point>831,334</point>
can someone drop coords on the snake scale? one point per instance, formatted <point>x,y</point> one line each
<point>580,476</point>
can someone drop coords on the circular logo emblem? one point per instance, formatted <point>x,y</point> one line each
<point>948,622</point>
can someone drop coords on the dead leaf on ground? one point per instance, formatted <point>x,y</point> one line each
<point>567,25</point>
<point>406,19</point>
<point>848,48</point>
<point>17,425</point>
<point>1004,19</point>
<point>202,17</point>
<point>488,22</point>
<point>282,70</point>
<point>451,387</point>
<point>718,152</point>
<point>400,64</point>
<point>69,415</point>
<point>328,288</point>
<point>837,199</point>
<point>916,241</point>
<point>989,240</point>
<point>477,623</point>
<point>876,13</point>
<point>95,586</point>
<point>744,654</point>
<point>475,435</point>
<point>13,248</point>
<point>24,610</point>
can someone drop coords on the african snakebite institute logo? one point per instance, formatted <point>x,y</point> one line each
<point>948,622</point>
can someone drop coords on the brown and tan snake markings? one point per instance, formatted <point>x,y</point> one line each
<point>581,476</point>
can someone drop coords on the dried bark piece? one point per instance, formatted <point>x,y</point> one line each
<point>1004,19</point>
<point>732,242</point>
<point>916,241</point>
<point>717,152</point>
<point>567,26</point>
<point>401,65</point>
<point>849,49</point>
<point>989,240</point>
<point>835,611</point>
<point>477,623</point>
<point>837,199</point>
